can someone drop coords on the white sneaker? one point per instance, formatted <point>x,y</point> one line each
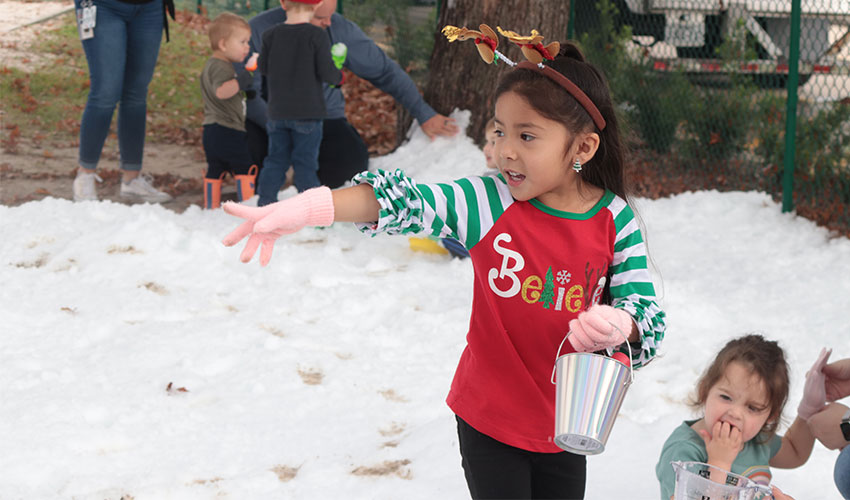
<point>141,189</point>
<point>84,187</point>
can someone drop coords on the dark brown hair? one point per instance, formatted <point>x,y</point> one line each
<point>765,359</point>
<point>606,168</point>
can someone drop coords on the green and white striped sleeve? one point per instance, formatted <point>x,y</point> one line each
<point>464,209</point>
<point>631,283</point>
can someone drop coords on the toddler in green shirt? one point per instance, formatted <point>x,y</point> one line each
<point>742,394</point>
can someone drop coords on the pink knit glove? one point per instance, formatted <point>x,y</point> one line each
<point>594,329</point>
<point>814,392</point>
<point>264,225</point>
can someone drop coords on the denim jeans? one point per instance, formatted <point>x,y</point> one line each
<point>121,57</point>
<point>842,472</point>
<point>291,142</point>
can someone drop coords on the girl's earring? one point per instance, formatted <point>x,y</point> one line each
<point>577,166</point>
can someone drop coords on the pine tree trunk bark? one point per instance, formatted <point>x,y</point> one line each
<point>459,78</point>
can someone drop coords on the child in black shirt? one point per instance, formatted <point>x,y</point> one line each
<point>295,59</point>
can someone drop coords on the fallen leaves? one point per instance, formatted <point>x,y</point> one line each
<point>311,376</point>
<point>372,113</point>
<point>34,264</point>
<point>125,249</point>
<point>11,139</point>
<point>387,468</point>
<point>391,395</point>
<point>285,473</point>
<point>653,175</point>
<point>171,390</point>
<point>154,287</point>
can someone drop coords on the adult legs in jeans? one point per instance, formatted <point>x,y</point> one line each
<point>121,57</point>
<point>306,138</point>
<point>497,470</point>
<point>842,472</point>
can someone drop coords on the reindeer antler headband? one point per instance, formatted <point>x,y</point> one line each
<point>533,50</point>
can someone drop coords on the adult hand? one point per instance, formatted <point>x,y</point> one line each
<point>825,426</point>
<point>723,444</point>
<point>600,327</point>
<point>837,379</point>
<point>814,391</point>
<point>440,125</point>
<point>264,225</point>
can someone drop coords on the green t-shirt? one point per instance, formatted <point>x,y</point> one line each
<point>226,112</point>
<point>686,445</point>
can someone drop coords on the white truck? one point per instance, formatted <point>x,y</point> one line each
<point>696,28</point>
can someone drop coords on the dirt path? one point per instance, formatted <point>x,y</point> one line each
<point>36,173</point>
<point>20,23</point>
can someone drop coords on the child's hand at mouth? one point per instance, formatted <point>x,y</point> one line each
<point>723,444</point>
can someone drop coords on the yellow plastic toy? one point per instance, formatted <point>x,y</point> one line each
<point>427,245</point>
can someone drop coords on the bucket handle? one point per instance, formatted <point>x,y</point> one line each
<point>631,369</point>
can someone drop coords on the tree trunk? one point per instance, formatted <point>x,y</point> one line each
<point>459,78</point>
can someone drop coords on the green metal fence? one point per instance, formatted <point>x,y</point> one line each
<point>754,95</point>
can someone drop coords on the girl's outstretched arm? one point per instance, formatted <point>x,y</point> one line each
<point>314,207</point>
<point>796,448</point>
<point>356,204</point>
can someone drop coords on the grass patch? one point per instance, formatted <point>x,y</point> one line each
<point>44,103</point>
<point>47,103</point>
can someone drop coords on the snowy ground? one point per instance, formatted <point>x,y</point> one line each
<point>324,374</point>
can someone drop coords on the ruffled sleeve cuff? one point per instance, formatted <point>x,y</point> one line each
<point>402,204</point>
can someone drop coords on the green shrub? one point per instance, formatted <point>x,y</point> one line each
<point>822,146</point>
<point>411,44</point>
<point>719,122</point>
<point>661,102</point>
<point>654,103</point>
<point>49,102</point>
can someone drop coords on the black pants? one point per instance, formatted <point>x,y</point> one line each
<point>342,153</point>
<point>496,470</point>
<point>226,150</point>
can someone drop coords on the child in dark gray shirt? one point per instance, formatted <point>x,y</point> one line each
<point>225,142</point>
<point>295,59</point>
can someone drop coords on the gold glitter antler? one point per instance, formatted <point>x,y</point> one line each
<point>485,40</point>
<point>531,46</point>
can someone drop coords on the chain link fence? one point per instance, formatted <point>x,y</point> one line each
<point>211,8</point>
<point>706,90</point>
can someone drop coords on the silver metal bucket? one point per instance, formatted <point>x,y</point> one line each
<point>590,389</point>
<point>701,481</point>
